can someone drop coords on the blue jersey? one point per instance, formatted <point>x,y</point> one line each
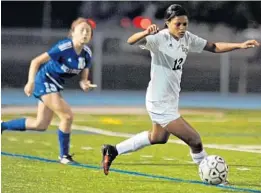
<point>64,63</point>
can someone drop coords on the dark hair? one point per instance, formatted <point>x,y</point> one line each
<point>173,11</point>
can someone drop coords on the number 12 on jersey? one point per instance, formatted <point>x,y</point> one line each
<point>177,64</point>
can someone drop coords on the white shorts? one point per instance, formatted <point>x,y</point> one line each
<point>162,112</point>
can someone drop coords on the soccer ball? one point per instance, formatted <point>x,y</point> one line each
<point>213,170</point>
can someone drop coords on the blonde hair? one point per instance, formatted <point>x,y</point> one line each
<point>78,21</point>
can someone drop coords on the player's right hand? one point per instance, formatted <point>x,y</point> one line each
<point>249,44</point>
<point>28,89</point>
<point>152,29</point>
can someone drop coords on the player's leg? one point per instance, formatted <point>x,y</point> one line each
<point>184,131</point>
<point>157,135</point>
<point>43,119</point>
<point>57,104</point>
<point>40,123</point>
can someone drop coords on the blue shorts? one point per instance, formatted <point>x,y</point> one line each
<point>45,87</point>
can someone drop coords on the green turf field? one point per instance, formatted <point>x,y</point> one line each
<point>29,158</point>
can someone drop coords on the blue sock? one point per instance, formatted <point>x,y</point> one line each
<point>64,141</point>
<point>17,125</point>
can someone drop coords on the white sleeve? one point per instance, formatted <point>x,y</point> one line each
<point>197,44</point>
<point>152,42</point>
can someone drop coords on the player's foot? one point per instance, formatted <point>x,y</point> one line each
<point>66,159</point>
<point>109,153</point>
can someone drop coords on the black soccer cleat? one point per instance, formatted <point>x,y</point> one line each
<point>109,153</point>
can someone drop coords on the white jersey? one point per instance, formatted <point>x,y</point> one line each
<point>168,56</point>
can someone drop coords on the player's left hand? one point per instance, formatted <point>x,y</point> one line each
<point>249,44</point>
<point>86,85</point>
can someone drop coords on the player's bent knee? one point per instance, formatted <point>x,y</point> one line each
<point>158,141</point>
<point>68,117</point>
<point>163,141</point>
<point>41,126</point>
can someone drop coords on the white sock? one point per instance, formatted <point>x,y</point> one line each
<point>134,143</point>
<point>198,157</point>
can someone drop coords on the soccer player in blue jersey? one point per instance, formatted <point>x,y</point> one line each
<point>67,58</point>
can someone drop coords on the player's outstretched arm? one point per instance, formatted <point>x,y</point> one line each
<point>34,66</point>
<point>221,47</point>
<point>140,36</point>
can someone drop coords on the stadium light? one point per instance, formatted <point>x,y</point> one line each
<point>92,22</point>
<point>125,22</point>
<point>141,22</point>
<point>137,21</point>
<point>145,22</point>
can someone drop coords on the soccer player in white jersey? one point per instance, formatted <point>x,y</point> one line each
<point>67,58</point>
<point>169,49</point>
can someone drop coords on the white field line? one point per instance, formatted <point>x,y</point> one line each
<point>145,162</point>
<point>46,143</point>
<point>126,154</point>
<point>168,159</point>
<point>87,148</point>
<point>176,159</point>
<point>232,147</point>
<point>243,169</point>
<point>12,139</point>
<point>29,141</point>
<point>146,156</point>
